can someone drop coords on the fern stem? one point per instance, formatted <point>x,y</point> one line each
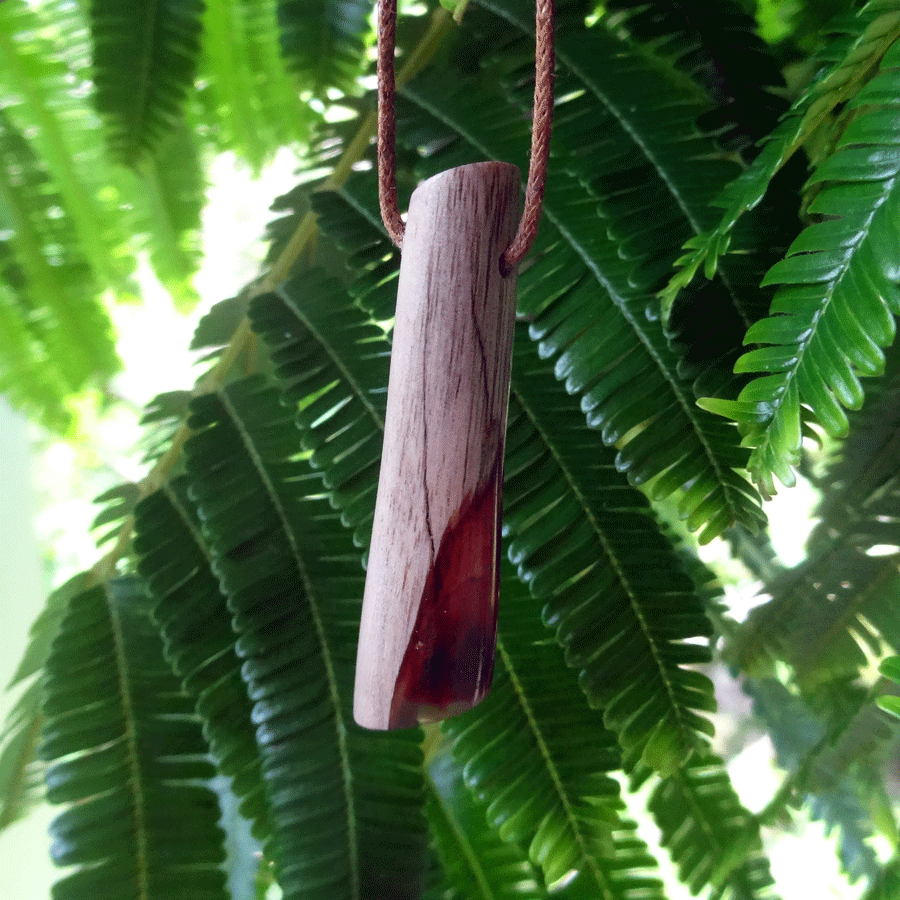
<point>600,876</point>
<point>135,779</point>
<point>465,845</point>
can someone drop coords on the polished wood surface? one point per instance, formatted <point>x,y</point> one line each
<point>429,613</point>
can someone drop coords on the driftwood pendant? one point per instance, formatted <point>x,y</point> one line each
<point>426,643</point>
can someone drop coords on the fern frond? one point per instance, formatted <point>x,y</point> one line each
<point>323,41</point>
<point>618,596</point>
<point>118,503</point>
<point>890,669</point>
<point>476,863</point>
<point>712,839</point>
<point>848,820</point>
<point>849,60</point>
<point>144,61</point>
<point>251,100</point>
<point>633,156</point>
<point>349,216</point>
<point>127,758</point>
<point>21,771</point>
<point>719,47</point>
<point>654,173</point>
<point>886,884</point>
<point>860,486</point>
<point>216,330</point>
<point>841,598</point>
<point>860,737</point>
<point>167,195</point>
<point>535,754</point>
<point>838,295</point>
<point>346,819</point>
<point>162,418</point>
<point>21,779</point>
<point>45,627</point>
<point>51,318</point>
<point>805,746</point>
<point>333,361</point>
<point>199,643</point>
<point>42,100</point>
<point>826,615</point>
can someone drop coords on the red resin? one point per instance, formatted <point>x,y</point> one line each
<point>449,661</point>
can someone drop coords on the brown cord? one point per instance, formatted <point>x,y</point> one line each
<point>540,130</point>
<point>387,152</point>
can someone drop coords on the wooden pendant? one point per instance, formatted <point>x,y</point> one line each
<point>426,644</point>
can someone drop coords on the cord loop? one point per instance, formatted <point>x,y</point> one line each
<point>542,120</point>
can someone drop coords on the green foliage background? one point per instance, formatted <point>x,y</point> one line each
<point>711,305</point>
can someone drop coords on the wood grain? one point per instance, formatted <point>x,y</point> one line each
<point>429,616</point>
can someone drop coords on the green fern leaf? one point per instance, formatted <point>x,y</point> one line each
<point>886,884</point>
<point>830,611</point>
<point>348,821</point>
<point>634,157</point>
<point>536,756</point>
<point>42,77</point>
<point>162,418</point>
<point>21,779</point>
<point>52,318</point>
<point>118,504</point>
<point>144,59</point>
<point>476,863</point>
<point>217,328</point>
<point>350,217</point>
<point>44,629</point>
<point>801,603</point>
<point>839,593</point>
<point>576,286</point>
<point>805,748</point>
<point>561,804</point>
<point>890,669</point>
<point>645,133</point>
<point>611,614</point>
<point>323,40</point>
<point>834,309</point>
<point>21,776</point>
<point>167,195</point>
<point>827,615</point>
<point>199,642</point>
<point>859,738</point>
<point>31,385</point>
<point>127,757</point>
<point>860,487</point>
<point>850,59</point>
<point>640,156</point>
<point>711,837</point>
<point>250,99</point>
<point>719,47</point>
<point>332,360</point>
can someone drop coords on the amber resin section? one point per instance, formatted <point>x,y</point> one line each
<point>429,613</point>
<point>449,661</point>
